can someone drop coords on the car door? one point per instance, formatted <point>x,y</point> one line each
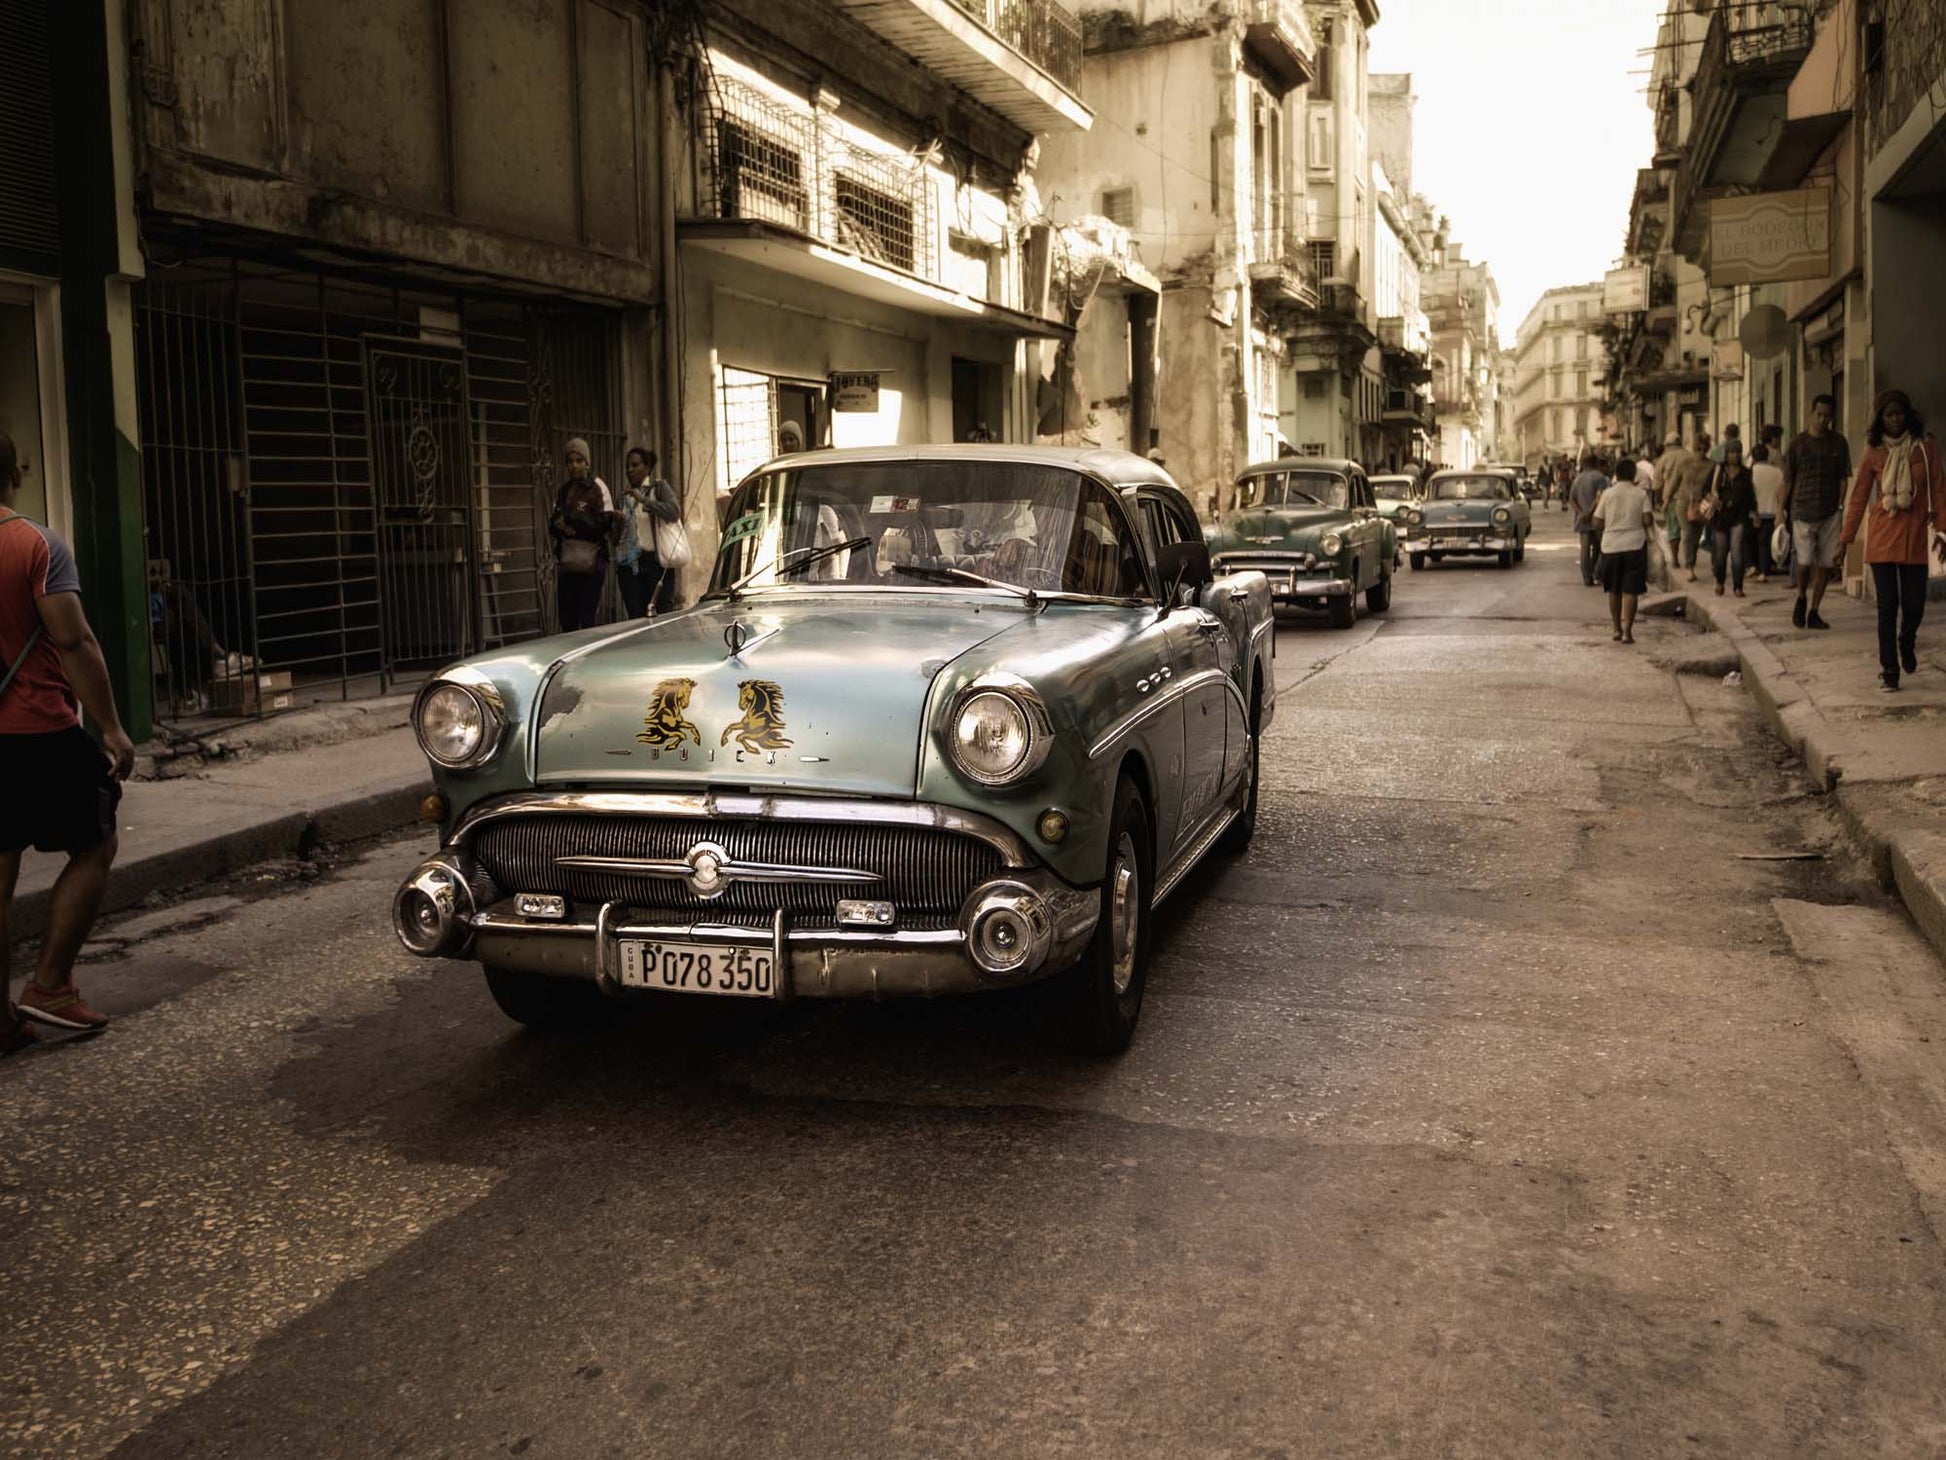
<point>1203,646</point>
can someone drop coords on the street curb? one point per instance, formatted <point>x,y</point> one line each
<point>278,836</point>
<point>1908,858</point>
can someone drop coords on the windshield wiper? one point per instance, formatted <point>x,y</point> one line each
<point>1316,501</point>
<point>796,558</point>
<point>965,575</point>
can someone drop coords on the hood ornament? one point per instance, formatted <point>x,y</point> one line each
<point>736,636</point>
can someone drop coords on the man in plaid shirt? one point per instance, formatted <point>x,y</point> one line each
<point>1817,469</point>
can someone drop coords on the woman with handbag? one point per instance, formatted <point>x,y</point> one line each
<point>1899,496</point>
<point>1730,507</point>
<point>648,508</point>
<point>582,524</point>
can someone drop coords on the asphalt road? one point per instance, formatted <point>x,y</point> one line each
<point>1511,1098</point>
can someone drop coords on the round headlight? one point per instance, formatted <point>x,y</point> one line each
<point>1415,516</point>
<point>1330,545</point>
<point>1501,514</point>
<point>458,724</point>
<point>992,738</point>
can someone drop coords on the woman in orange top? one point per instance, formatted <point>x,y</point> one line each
<point>1900,496</point>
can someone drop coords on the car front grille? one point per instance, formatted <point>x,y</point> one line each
<point>926,872</point>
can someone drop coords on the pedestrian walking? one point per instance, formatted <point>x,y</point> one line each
<point>1626,514</point>
<point>1900,500</point>
<point>1563,475</point>
<point>647,584</point>
<point>1668,469</point>
<point>1767,477</point>
<point>1730,508</point>
<point>1691,487</point>
<point>61,787</point>
<point>1582,497</point>
<point>1731,432</point>
<point>1644,471</point>
<point>583,524</point>
<point>1816,470</point>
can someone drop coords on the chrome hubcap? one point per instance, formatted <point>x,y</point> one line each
<point>1124,912</point>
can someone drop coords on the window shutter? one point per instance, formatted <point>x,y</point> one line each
<point>29,222</point>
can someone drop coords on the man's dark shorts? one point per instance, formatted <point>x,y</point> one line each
<point>57,792</point>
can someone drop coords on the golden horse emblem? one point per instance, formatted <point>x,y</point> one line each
<point>762,725</point>
<point>667,725</point>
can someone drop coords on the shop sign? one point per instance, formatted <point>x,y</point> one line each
<point>1770,238</point>
<point>855,390</point>
<point>1689,395</point>
<point>1625,291</point>
<point>1726,360</point>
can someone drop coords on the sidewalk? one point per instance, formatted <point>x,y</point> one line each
<point>1882,755</point>
<point>238,812</point>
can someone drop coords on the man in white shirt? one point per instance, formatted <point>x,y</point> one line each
<point>1768,478</point>
<point>1624,513</point>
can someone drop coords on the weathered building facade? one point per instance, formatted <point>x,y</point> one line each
<point>1463,304</point>
<point>1560,362</point>
<point>1199,161</point>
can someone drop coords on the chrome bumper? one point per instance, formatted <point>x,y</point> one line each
<point>821,963</point>
<point>1472,545</point>
<point>1313,588</point>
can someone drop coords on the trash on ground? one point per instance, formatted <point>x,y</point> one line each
<point>1733,678</point>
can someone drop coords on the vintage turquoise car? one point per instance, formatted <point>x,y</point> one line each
<point>1311,526</point>
<point>1476,512</point>
<point>948,719</point>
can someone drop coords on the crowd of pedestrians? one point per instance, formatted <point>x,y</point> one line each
<point>1790,512</point>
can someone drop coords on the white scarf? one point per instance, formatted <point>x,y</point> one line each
<point>1895,481</point>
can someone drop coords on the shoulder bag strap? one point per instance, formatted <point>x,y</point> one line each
<point>32,639</point>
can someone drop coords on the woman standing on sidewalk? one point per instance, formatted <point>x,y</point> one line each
<point>1900,497</point>
<point>1624,514</point>
<point>1732,502</point>
<point>582,524</point>
<point>645,580</point>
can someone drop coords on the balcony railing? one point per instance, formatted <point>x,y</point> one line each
<point>1046,33</point>
<point>1287,278</point>
<point>770,162</point>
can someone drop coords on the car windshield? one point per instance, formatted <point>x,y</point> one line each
<point>1300,488</point>
<point>1470,489</point>
<point>1392,489</point>
<point>916,524</point>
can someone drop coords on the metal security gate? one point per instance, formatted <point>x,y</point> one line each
<point>416,422</point>
<point>347,479</point>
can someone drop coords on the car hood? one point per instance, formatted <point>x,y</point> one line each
<point>1270,531</point>
<point>828,693</point>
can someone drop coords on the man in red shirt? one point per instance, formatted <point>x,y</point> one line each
<point>58,789</point>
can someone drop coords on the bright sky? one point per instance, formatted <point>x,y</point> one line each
<point>1529,129</point>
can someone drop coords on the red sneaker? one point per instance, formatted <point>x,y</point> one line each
<point>60,1007</point>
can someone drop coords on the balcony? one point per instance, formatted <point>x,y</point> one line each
<point>1020,57</point>
<point>1286,282</point>
<point>1404,336</point>
<point>1277,35</point>
<point>1648,214</point>
<point>1741,87</point>
<point>786,186</point>
<point>1407,407</point>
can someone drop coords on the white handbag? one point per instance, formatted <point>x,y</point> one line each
<point>1780,543</point>
<point>672,543</point>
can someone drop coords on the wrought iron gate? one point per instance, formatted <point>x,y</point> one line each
<point>415,409</point>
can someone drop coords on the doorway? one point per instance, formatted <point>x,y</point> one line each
<point>978,400</point>
<point>29,398</point>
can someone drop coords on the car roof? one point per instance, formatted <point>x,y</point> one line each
<point>1473,471</point>
<point>1314,463</point>
<point>1123,468</point>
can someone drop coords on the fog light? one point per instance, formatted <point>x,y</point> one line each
<point>1053,825</point>
<point>858,912</point>
<point>432,913</point>
<point>433,808</point>
<point>1007,930</point>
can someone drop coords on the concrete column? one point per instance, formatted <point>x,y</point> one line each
<point>100,263</point>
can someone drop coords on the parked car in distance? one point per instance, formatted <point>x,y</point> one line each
<point>948,719</point>
<point>1394,495</point>
<point>1311,526</point>
<point>1474,512</point>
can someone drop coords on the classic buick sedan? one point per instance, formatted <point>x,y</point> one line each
<point>948,719</point>
<point>1476,512</point>
<point>1312,527</point>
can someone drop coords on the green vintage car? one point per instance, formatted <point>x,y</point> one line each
<point>1476,512</point>
<point>1310,525</point>
<point>948,719</point>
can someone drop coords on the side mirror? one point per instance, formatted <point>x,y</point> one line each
<point>1184,563</point>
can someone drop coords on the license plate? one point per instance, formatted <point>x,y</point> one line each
<point>698,968</point>
<point>1453,542</point>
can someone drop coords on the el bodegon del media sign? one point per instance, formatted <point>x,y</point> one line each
<point>1768,238</point>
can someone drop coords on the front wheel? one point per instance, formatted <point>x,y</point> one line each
<point>1344,611</point>
<point>541,1002</point>
<point>1418,561</point>
<point>1378,597</point>
<point>1096,1003</point>
<point>1506,558</point>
